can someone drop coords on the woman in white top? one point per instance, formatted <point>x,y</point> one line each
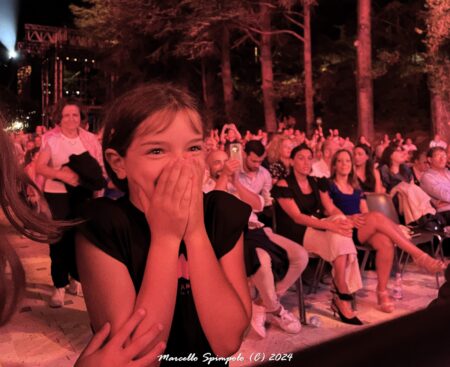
<point>58,145</point>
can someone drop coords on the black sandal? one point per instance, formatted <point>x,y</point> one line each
<point>334,307</point>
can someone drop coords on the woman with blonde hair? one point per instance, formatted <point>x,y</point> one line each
<point>278,157</point>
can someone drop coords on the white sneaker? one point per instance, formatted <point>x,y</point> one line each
<point>259,320</point>
<point>285,320</point>
<point>57,298</point>
<point>74,287</point>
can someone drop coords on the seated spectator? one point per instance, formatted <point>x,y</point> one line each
<point>40,130</point>
<point>265,252</point>
<point>363,140</point>
<point>436,181</point>
<point>29,145</point>
<point>409,147</point>
<point>38,141</point>
<point>334,134</point>
<point>347,144</point>
<point>368,176</point>
<point>299,217</point>
<point>419,165</point>
<point>20,152</point>
<point>379,149</point>
<point>263,137</point>
<point>29,154</point>
<point>316,140</point>
<point>230,134</point>
<point>438,142</point>
<point>343,196</point>
<point>34,198</point>
<point>398,139</point>
<point>299,137</point>
<point>278,153</point>
<point>321,168</point>
<point>393,168</point>
<point>210,144</point>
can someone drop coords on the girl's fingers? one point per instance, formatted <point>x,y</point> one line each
<point>161,181</point>
<point>187,196</point>
<point>127,329</point>
<point>199,171</point>
<point>150,358</point>
<point>97,340</point>
<point>139,345</point>
<point>186,174</point>
<point>171,179</point>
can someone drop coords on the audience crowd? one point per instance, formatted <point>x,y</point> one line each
<point>307,196</point>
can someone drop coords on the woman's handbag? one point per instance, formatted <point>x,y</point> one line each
<point>431,223</point>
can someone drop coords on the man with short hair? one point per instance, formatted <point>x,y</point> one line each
<point>438,142</point>
<point>321,168</point>
<point>273,262</point>
<point>436,181</point>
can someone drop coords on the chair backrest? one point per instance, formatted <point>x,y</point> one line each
<point>382,203</point>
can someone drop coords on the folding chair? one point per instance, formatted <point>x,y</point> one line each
<point>383,203</point>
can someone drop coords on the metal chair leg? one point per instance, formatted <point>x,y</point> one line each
<point>364,261</point>
<point>318,275</point>
<point>301,300</point>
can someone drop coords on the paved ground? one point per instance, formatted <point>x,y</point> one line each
<point>41,336</point>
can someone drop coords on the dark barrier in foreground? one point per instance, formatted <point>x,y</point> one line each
<point>419,339</point>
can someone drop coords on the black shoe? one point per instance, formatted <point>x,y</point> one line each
<point>344,319</point>
<point>334,307</point>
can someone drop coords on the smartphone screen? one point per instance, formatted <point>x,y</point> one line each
<point>236,152</point>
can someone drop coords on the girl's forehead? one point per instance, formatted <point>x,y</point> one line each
<point>179,122</point>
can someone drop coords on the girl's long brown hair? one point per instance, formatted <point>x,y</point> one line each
<point>27,222</point>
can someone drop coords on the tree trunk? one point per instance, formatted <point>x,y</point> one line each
<point>208,97</point>
<point>364,71</point>
<point>440,115</point>
<point>307,61</point>
<point>266,69</point>
<point>437,20</point>
<point>227,81</point>
<point>204,91</point>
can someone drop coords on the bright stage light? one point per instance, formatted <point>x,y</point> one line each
<point>8,24</point>
<point>12,54</point>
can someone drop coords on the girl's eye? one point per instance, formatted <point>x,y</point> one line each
<point>195,148</point>
<point>155,151</point>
